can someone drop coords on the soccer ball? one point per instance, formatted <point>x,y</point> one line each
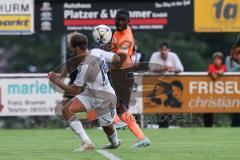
<point>102,34</point>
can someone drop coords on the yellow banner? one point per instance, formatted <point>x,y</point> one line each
<point>15,23</point>
<point>217,16</point>
<point>191,93</point>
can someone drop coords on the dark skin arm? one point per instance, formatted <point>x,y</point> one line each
<point>71,90</point>
<point>119,61</point>
<point>116,58</point>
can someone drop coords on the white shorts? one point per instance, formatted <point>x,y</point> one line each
<point>105,110</point>
<point>106,119</point>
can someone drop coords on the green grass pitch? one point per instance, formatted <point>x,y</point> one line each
<point>167,144</point>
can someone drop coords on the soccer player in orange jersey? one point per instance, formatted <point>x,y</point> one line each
<point>122,77</point>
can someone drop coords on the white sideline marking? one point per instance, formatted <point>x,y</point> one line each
<point>108,155</point>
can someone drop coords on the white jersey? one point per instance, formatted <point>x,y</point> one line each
<point>92,75</point>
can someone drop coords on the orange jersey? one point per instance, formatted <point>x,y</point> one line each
<point>123,42</point>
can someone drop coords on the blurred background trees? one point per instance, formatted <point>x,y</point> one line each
<point>190,47</point>
<point>41,52</point>
<point>23,54</point>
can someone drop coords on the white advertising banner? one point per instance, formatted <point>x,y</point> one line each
<point>16,17</point>
<point>31,96</point>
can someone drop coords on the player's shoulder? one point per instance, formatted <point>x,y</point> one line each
<point>126,34</point>
<point>94,55</point>
<point>96,52</point>
<point>82,66</point>
<point>129,29</point>
<point>99,53</point>
<point>129,34</point>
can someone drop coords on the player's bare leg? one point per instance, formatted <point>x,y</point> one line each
<point>112,137</point>
<point>69,113</point>
<point>130,120</point>
<point>119,124</point>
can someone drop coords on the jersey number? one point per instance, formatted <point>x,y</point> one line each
<point>103,72</point>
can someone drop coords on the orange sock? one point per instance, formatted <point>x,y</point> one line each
<point>116,119</point>
<point>130,120</point>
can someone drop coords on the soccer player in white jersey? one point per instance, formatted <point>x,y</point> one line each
<point>92,90</point>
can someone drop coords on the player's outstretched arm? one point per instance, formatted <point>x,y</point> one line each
<point>116,58</point>
<point>71,90</point>
<point>119,63</point>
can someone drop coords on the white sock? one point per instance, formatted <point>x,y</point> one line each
<point>77,127</point>
<point>113,139</point>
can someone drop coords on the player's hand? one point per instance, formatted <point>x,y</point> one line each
<point>52,76</point>
<point>119,64</point>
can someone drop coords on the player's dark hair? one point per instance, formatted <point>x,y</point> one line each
<point>79,40</point>
<point>164,44</point>
<point>123,12</point>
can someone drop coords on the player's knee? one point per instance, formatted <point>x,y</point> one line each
<point>121,109</point>
<point>109,130</point>
<point>64,111</point>
<point>119,113</point>
<point>64,102</point>
<point>67,108</point>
